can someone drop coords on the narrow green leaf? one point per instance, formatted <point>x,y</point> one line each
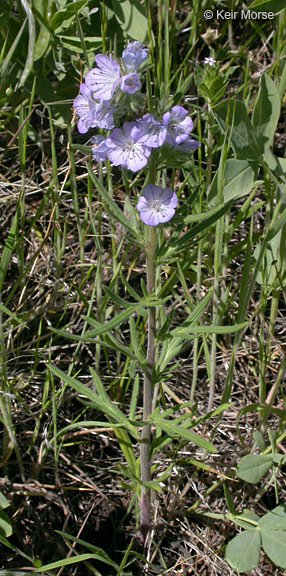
<point>212,329</point>
<point>276,226</point>
<point>183,241</point>
<point>242,552</point>
<point>111,324</point>
<point>8,250</point>
<point>117,213</point>
<point>71,560</point>
<point>173,430</point>
<point>5,525</point>
<point>268,5</point>
<point>247,519</point>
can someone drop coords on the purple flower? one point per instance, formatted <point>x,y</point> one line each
<point>130,83</point>
<point>178,125</point>
<point>149,131</point>
<point>85,108</point>
<point>103,115</point>
<point>123,150</point>
<point>133,55</point>
<point>103,80</point>
<point>187,145</point>
<point>156,205</point>
<point>99,148</point>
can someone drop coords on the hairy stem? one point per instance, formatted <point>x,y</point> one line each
<point>145,503</point>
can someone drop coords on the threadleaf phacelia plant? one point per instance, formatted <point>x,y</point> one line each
<point>110,99</point>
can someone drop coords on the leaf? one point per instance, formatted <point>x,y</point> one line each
<point>212,329</point>
<point>266,113</point>
<point>173,430</point>
<point>71,560</point>
<point>180,244</point>
<point>253,467</point>
<point>67,14</point>
<point>116,212</point>
<point>247,519</point>
<point>268,5</point>
<point>5,525</point>
<point>232,116</point>
<point>277,164</point>
<point>4,503</point>
<point>274,520</point>
<point>99,398</point>
<point>274,544</point>
<point>273,533</point>
<point>277,225</point>
<point>242,552</point>
<point>8,250</point>
<point>75,44</point>
<point>111,324</point>
<point>132,17</point>
<point>239,179</point>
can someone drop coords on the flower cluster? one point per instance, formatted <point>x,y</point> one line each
<point>94,103</point>
<point>100,104</point>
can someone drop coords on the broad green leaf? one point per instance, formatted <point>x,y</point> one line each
<point>268,5</point>
<point>274,544</point>
<point>5,525</point>
<point>242,552</point>
<point>67,14</point>
<point>131,15</point>
<point>239,179</point>
<point>273,533</point>
<point>259,440</point>
<point>253,467</point>
<point>232,116</point>
<point>266,113</point>
<point>273,520</point>
<point>276,164</point>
